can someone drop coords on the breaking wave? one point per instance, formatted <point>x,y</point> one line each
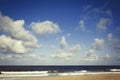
<point>19,74</point>
<point>115,70</point>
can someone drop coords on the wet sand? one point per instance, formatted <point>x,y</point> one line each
<point>83,77</point>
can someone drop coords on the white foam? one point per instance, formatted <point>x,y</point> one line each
<point>24,72</point>
<point>115,70</point>
<point>45,73</point>
<point>82,71</point>
<point>25,75</point>
<point>66,74</point>
<point>87,73</point>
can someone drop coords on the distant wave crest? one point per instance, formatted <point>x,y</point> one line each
<point>115,70</point>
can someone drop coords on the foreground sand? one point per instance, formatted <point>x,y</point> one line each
<point>85,77</point>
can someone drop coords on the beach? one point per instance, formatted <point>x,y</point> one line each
<point>81,77</point>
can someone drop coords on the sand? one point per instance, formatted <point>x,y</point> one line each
<point>84,77</point>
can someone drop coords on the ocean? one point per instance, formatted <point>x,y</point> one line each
<point>15,72</point>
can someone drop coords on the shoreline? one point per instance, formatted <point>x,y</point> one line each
<point>79,77</point>
<point>45,74</point>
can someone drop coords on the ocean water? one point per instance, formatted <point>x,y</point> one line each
<point>18,72</point>
<point>58,68</point>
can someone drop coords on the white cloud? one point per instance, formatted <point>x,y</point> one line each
<point>68,34</point>
<point>45,27</point>
<point>36,57</point>
<point>11,57</point>
<point>15,29</point>
<point>18,56</point>
<point>110,36</point>
<point>65,53</point>
<point>103,16</point>
<point>62,55</point>
<point>91,55</point>
<point>63,42</point>
<point>82,25</point>
<point>16,38</point>
<point>103,23</point>
<point>6,57</point>
<point>106,56</point>
<point>10,45</point>
<point>115,45</point>
<point>92,58</point>
<point>90,52</point>
<point>99,43</point>
<point>23,57</point>
<point>75,49</point>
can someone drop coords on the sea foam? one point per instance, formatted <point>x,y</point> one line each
<point>115,70</point>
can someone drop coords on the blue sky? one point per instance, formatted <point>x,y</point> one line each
<point>59,32</point>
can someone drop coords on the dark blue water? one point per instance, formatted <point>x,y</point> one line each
<point>57,68</point>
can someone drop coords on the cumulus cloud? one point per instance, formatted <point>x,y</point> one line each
<point>91,55</point>
<point>5,57</point>
<point>65,53</point>
<point>75,49</point>
<point>45,27</point>
<point>10,45</point>
<point>62,55</point>
<point>106,56</point>
<point>99,43</point>
<point>82,25</point>
<point>103,23</point>
<point>115,45</point>
<point>11,57</point>
<point>68,34</point>
<point>18,57</point>
<point>15,29</point>
<point>36,57</point>
<point>101,16</point>
<point>63,42</point>
<point>16,38</point>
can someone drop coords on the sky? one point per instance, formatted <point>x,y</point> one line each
<point>59,32</point>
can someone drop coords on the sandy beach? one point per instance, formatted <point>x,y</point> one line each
<point>84,77</point>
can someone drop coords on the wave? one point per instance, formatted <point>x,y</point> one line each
<point>85,72</point>
<point>66,74</point>
<point>81,72</point>
<point>115,70</point>
<point>17,74</point>
<point>25,75</point>
<point>39,73</point>
<point>24,72</point>
<point>89,73</point>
